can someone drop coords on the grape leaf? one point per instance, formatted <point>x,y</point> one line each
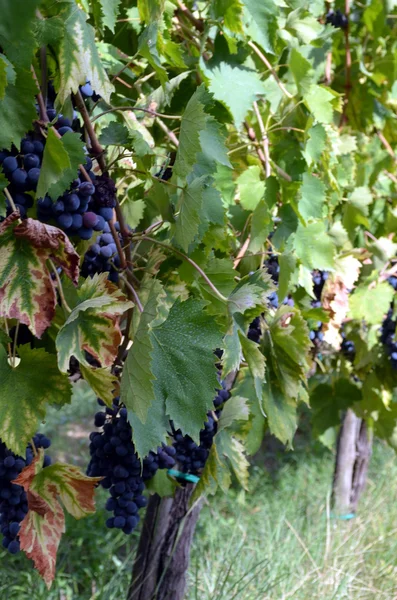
<point>199,134</point>
<point>301,70</point>
<point>322,103</point>
<point>287,263</point>
<point>150,10</point>
<point>251,187</point>
<point>27,292</point>
<point>16,31</point>
<point>315,144</point>
<point>256,363</point>
<point>230,12</point>
<point>280,411</point>
<point>78,57</point>
<point>32,390</point>
<point>103,382</point>
<point>42,528</point>
<point>312,197</point>
<point>187,337</point>
<point>327,402</point>
<point>189,207</point>
<point>314,247</point>
<point>251,291</point>
<point>114,134</point>
<point>261,226</point>
<point>17,109</point>
<point>260,22</point>
<point>287,347</point>
<point>235,409</point>
<point>137,391</point>
<point>93,324</point>
<point>61,160</point>
<point>236,87</point>
<point>370,303</point>
<point>110,11</point>
<point>254,429</point>
<point>147,47</point>
<point>3,77</point>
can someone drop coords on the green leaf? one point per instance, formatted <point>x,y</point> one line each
<point>252,431</point>
<point>261,226</point>
<point>25,391</point>
<point>357,209</point>
<point>114,134</point>
<point>260,22</point>
<point>280,411</point>
<point>301,70</point>
<point>287,263</point>
<point>251,187</point>
<point>187,220</point>
<point>235,409</point>
<point>230,12</point>
<point>314,247</point>
<point>322,103</point>
<point>17,109</point>
<point>133,212</point>
<point>256,363</point>
<point>287,346</point>
<point>62,157</point>
<point>3,77</point>
<point>188,337</point>
<point>103,382</point>
<point>147,47</point>
<point>327,402</point>
<point>78,56</point>
<point>16,31</point>
<point>93,324</point>
<point>26,289</point>
<point>315,144</point>
<point>137,391</point>
<point>110,11</point>
<point>200,138</point>
<point>370,303</point>
<point>307,28</point>
<point>312,197</point>
<point>150,10</point>
<point>252,291</point>
<point>236,87</point>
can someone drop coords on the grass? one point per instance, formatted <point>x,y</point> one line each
<point>275,542</point>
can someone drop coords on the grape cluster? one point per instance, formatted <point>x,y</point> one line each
<point>388,331</point>
<point>88,204</point>
<point>113,457</point>
<point>337,19</point>
<point>13,498</point>
<point>254,330</point>
<point>102,257</point>
<point>87,92</point>
<point>388,338</point>
<point>191,457</point>
<point>319,278</point>
<point>273,269</point>
<point>348,348</point>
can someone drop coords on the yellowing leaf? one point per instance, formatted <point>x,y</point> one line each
<point>27,292</point>
<point>93,325</point>
<point>42,528</point>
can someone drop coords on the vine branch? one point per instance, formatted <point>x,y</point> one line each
<point>190,261</point>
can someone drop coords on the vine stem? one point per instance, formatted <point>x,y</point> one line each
<point>170,134</point>
<point>133,292</point>
<point>40,99</point>
<point>60,288</point>
<point>271,69</point>
<point>190,261</point>
<point>123,262</point>
<point>14,350</point>
<point>348,64</point>
<point>33,447</point>
<point>265,139</point>
<point>10,199</point>
<point>152,113</point>
<point>10,354</point>
<point>95,145</point>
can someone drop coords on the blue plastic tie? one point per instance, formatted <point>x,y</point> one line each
<point>185,476</point>
<point>343,517</point>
